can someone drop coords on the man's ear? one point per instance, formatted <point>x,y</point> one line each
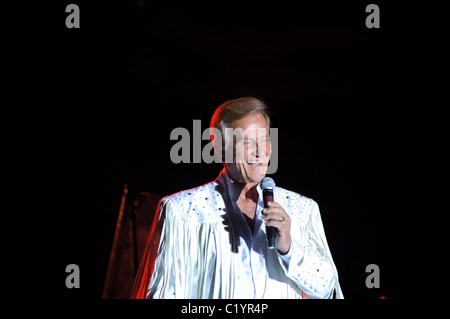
<point>215,136</point>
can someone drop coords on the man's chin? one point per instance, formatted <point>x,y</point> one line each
<point>257,174</point>
<point>249,174</point>
<point>256,178</point>
<point>253,178</point>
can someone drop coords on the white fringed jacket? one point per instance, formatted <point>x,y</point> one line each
<point>201,246</point>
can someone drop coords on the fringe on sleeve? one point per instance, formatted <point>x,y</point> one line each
<point>185,258</point>
<point>147,264</point>
<point>319,233</point>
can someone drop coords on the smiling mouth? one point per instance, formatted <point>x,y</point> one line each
<point>255,163</point>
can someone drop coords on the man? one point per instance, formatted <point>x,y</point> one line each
<point>210,241</point>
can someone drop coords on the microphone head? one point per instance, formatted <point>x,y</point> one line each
<point>267,183</point>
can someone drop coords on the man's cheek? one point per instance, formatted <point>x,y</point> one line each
<point>241,156</point>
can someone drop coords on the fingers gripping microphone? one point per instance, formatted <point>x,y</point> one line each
<point>267,186</point>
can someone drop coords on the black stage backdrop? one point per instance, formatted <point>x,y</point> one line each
<point>353,107</point>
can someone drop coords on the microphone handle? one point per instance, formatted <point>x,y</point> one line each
<point>271,232</point>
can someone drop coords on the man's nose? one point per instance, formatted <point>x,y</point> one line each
<point>259,150</point>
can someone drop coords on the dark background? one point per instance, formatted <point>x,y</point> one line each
<point>352,106</point>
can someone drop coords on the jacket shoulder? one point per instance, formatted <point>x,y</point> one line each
<point>198,203</point>
<point>296,205</point>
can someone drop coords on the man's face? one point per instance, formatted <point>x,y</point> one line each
<point>252,148</point>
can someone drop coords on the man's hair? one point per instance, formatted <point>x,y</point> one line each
<point>234,110</point>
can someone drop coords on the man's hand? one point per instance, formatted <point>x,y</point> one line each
<point>276,216</point>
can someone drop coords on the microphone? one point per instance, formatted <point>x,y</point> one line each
<point>267,185</point>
